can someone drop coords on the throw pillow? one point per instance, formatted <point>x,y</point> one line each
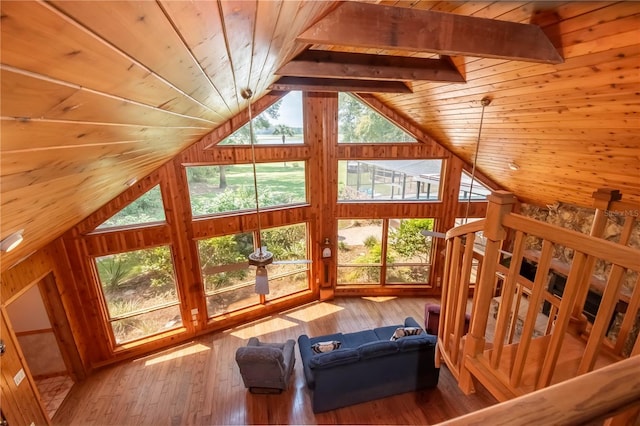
<point>322,347</point>
<point>405,331</point>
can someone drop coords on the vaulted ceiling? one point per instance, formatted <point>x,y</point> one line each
<point>97,93</point>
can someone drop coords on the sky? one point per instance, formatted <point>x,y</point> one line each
<point>291,110</point>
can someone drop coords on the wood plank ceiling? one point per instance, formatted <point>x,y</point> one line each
<point>89,103</point>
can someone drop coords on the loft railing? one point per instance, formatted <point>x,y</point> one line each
<point>522,337</point>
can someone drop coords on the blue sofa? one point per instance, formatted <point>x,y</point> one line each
<point>368,365</point>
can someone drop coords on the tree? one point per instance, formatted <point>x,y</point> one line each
<point>409,242</point>
<point>284,130</point>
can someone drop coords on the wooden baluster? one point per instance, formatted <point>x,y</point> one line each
<point>539,286</point>
<point>453,294</point>
<point>463,296</point>
<point>500,204</point>
<point>603,198</point>
<point>506,300</point>
<point>562,321</point>
<point>444,301</point>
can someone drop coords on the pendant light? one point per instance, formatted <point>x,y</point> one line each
<point>260,258</point>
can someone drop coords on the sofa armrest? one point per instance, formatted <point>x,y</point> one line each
<point>289,356</point>
<point>410,322</point>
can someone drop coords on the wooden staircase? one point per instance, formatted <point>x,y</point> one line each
<point>514,347</point>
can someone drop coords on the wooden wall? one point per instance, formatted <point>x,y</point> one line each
<point>70,259</point>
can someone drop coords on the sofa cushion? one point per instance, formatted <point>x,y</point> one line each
<point>405,331</point>
<point>336,357</point>
<point>326,346</point>
<point>415,342</point>
<point>377,348</point>
<point>353,340</point>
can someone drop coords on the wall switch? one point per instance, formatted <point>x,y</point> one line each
<point>19,377</point>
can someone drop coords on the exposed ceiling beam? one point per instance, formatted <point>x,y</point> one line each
<point>330,64</point>
<point>397,28</point>
<point>339,85</point>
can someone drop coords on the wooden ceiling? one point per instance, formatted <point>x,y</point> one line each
<point>97,93</point>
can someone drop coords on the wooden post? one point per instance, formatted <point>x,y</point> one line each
<point>603,198</point>
<point>500,204</point>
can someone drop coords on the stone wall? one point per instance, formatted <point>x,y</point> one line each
<point>580,219</point>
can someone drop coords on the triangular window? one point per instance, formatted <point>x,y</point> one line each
<point>279,124</point>
<point>358,123</point>
<point>478,190</point>
<point>148,208</point>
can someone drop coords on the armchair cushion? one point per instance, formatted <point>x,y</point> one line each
<point>266,366</point>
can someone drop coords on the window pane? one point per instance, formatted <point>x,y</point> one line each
<point>287,244</point>
<point>223,189</point>
<point>146,324</point>
<point>359,251</point>
<point>359,275</point>
<point>389,180</point>
<point>281,123</point>
<point>416,274</point>
<point>148,208</point>
<point>358,123</point>
<point>228,282</point>
<point>139,287</point>
<point>233,298</point>
<point>478,191</point>
<point>406,244</point>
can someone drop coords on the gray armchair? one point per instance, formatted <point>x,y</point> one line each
<point>266,367</point>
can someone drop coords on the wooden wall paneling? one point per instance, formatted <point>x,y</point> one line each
<point>79,56</point>
<point>21,404</point>
<point>451,175</point>
<point>34,96</point>
<point>321,132</point>
<point>95,341</point>
<point>390,210</point>
<point>195,21</point>
<point>184,247</point>
<point>104,243</point>
<point>61,328</point>
<point>142,31</point>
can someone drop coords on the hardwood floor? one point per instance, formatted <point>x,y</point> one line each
<point>199,382</point>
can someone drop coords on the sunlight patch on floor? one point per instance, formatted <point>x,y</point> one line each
<point>379,299</point>
<point>263,327</point>
<point>183,351</point>
<point>315,311</point>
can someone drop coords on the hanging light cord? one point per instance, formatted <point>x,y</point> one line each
<point>485,101</point>
<point>246,94</point>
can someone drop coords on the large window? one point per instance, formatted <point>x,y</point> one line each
<point>281,123</point>
<point>140,293</point>
<point>358,123</point>
<point>228,278</point>
<point>474,187</point>
<point>389,180</point>
<point>148,208</point>
<point>223,189</point>
<point>379,252</point>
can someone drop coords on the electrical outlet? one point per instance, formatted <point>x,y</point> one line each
<point>19,377</point>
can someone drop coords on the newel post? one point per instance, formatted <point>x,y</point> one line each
<point>602,199</point>
<point>500,203</point>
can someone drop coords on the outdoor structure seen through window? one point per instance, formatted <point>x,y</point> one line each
<point>148,208</point>
<point>139,289</point>
<point>229,280</point>
<point>223,189</point>
<point>384,251</point>
<point>389,180</point>
<point>358,123</point>
<point>281,123</point>
<point>478,190</point>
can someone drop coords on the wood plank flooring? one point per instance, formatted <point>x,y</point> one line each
<point>198,383</point>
